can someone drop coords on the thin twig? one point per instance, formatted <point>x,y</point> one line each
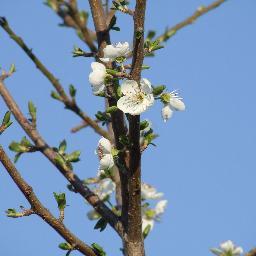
<point>39,209</point>
<point>81,126</point>
<point>190,20</point>
<point>77,183</point>
<point>69,103</point>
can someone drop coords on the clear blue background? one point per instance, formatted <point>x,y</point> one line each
<point>204,161</point>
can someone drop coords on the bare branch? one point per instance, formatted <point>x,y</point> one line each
<point>70,104</point>
<point>190,20</point>
<point>81,126</point>
<point>77,183</point>
<point>40,210</point>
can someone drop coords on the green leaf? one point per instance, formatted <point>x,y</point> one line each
<point>16,157</point>
<point>111,109</point>
<point>60,161</point>
<point>32,111</point>
<point>99,249</point>
<point>62,147</point>
<point>146,231</point>
<point>111,71</point>
<point>11,213</point>
<point>116,28</point>
<point>61,200</point>
<point>139,34</point>
<point>151,34</point>
<point>65,246</point>
<point>72,91</point>
<point>17,147</point>
<point>12,69</point>
<point>158,90</point>
<point>25,142</point>
<point>84,17</point>
<point>7,118</point>
<point>73,157</point>
<point>101,224</point>
<point>144,124</point>
<point>145,67</point>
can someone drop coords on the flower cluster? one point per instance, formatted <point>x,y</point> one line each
<point>134,98</point>
<point>227,249</point>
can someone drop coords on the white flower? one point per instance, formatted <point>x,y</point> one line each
<point>136,99</point>
<point>97,76</point>
<point>175,103</point>
<point>104,152</point>
<point>149,192</point>
<point>227,249</point>
<point>160,208</point>
<point>111,52</point>
<point>105,188</point>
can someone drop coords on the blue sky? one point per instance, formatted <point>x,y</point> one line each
<point>204,161</point>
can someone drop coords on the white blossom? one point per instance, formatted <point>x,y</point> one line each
<point>227,248</point>
<point>105,188</point>
<point>104,153</point>
<point>97,77</point>
<point>136,99</point>
<point>149,216</point>
<point>149,192</point>
<point>175,103</point>
<point>111,52</point>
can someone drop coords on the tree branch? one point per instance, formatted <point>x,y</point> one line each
<point>77,183</point>
<point>70,104</point>
<point>40,210</point>
<point>190,20</point>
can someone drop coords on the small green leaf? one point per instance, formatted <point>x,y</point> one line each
<point>145,67</point>
<point>32,111</point>
<point>84,17</point>
<point>17,147</point>
<point>12,69</point>
<point>99,249</point>
<point>144,124</point>
<point>60,161</point>
<point>73,157</point>
<point>62,147</point>
<point>111,109</point>
<point>101,224</point>
<point>139,34</point>
<point>146,231</point>
<point>72,91</point>
<point>11,213</point>
<point>61,200</point>
<point>116,28</point>
<point>7,118</point>
<point>16,157</point>
<point>65,246</point>
<point>151,34</point>
<point>55,96</point>
<point>158,90</point>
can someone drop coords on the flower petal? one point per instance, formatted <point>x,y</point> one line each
<point>105,145</point>
<point>106,162</point>
<point>160,207</point>
<point>166,112</point>
<point>98,66</point>
<point>177,104</point>
<point>145,86</point>
<point>129,87</point>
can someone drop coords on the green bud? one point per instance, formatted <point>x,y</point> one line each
<point>150,213</point>
<point>12,69</point>
<point>111,71</point>
<point>60,161</point>
<point>17,147</point>
<point>61,200</point>
<point>99,249</point>
<point>65,246</point>
<point>55,96</point>
<point>120,59</point>
<point>158,90</point>
<point>12,213</point>
<point>72,91</point>
<point>83,17</point>
<point>32,111</point>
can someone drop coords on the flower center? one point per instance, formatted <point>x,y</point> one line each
<point>140,96</point>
